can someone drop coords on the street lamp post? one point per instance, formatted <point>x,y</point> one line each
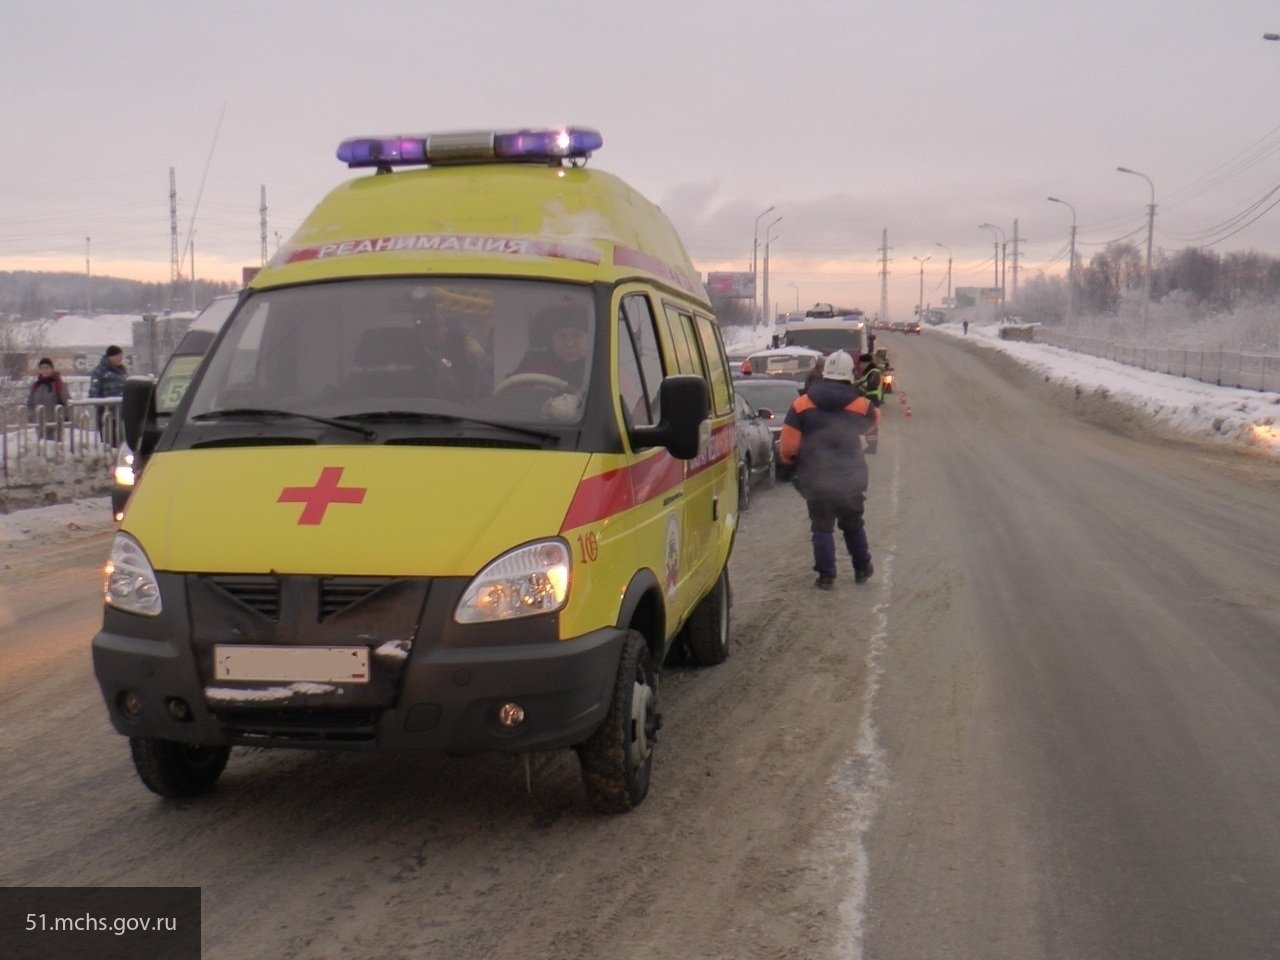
<point>755,245</point>
<point>769,237</point>
<point>999,266</point>
<point>797,289</point>
<point>920,305</point>
<point>1071,269</point>
<point>1151,227</point>
<point>948,249</point>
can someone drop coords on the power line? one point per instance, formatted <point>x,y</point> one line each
<point>1230,222</point>
<point>1243,225</point>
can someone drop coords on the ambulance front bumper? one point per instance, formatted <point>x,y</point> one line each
<point>506,696</point>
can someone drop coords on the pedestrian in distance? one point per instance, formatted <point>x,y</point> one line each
<point>966,326</point>
<point>871,383</point>
<point>47,394</point>
<point>814,374</point>
<point>822,438</point>
<point>107,380</point>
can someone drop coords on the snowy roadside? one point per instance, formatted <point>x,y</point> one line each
<point>1225,414</point>
<point>57,522</point>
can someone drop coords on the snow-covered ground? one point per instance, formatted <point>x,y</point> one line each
<point>1247,417</point>
<point>45,523</point>
<point>1231,416</point>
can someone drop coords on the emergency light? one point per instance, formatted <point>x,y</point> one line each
<point>471,146</point>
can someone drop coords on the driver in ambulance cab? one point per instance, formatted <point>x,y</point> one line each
<point>570,339</point>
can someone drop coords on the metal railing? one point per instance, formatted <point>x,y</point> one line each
<point>1247,371</point>
<point>78,441</point>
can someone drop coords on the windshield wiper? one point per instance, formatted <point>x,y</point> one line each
<point>264,414</point>
<point>385,416</point>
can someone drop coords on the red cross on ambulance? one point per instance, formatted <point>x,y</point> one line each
<point>318,497</point>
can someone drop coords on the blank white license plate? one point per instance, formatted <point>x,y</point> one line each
<point>317,664</point>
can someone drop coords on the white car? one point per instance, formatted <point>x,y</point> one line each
<point>791,362</point>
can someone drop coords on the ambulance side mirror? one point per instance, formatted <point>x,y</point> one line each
<point>685,402</point>
<point>138,415</point>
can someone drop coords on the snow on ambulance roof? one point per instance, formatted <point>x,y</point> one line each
<point>521,203</point>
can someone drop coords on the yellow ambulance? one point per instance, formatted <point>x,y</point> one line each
<point>457,474</point>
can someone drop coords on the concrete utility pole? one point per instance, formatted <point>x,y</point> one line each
<point>884,274</point>
<point>1015,243</point>
<point>88,281</point>
<point>262,222</point>
<point>755,246</point>
<point>1000,245</point>
<point>1151,228</point>
<point>920,305</point>
<point>175,265</point>
<point>768,238</point>
<point>1071,268</point>
<point>947,302</point>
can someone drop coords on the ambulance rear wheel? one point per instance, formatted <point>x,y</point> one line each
<point>177,770</point>
<point>706,634</point>
<point>617,760</point>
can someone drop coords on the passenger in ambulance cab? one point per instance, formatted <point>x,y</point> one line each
<point>566,325</point>
<point>459,363</point>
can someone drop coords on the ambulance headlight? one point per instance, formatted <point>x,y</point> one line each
<point>128,582</point>
<point>530,580</point>
<point>123,472</point>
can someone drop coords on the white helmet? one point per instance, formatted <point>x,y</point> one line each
<point>838,366</point>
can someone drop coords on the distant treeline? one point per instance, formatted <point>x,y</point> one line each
<point>1218,281</point>
<point>1202,282</point>
<point>34,295</point>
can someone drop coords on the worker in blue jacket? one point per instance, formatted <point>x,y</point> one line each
<point>822,438</point>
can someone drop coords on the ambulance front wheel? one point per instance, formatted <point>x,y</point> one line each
<point>177,770</point>
<point>617,760</point>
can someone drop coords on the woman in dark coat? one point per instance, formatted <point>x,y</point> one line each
<point>47,394</point>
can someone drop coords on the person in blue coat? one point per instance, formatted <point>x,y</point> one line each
<point>107,380</point>
<point>822,437</point>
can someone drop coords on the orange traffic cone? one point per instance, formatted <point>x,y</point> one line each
<point>908,413</point>
<point>902,398</point>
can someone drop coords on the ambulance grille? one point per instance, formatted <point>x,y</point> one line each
<point>261,594</point>
<point>338,593</point>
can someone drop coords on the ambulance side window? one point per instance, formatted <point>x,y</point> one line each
<point>639,360</point>
<point>680,329</point>
<point>717,364</point>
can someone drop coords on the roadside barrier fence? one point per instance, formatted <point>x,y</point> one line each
<point>1247,371</point>
<point>77,443</point>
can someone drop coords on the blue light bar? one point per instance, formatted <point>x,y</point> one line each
<point>472,146</point>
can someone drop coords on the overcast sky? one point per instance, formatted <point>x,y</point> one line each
<point>923,118</point>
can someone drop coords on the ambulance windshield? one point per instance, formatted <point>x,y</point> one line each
<point>514,353</point>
